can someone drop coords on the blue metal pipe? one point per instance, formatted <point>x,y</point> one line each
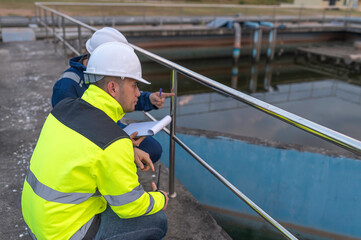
<point>267,24</point>
<point>271,39</point>
<point>237,41</point>
<point>257,35</point>
<point>252,25</point>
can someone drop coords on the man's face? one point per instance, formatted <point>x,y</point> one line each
<point>127,94</point>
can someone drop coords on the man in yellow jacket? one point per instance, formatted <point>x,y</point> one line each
<point>82,181</point>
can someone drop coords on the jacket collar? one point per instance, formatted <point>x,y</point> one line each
<point>102,100</point>
<point>74,62</point>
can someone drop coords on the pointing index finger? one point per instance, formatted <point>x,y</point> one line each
<point>166,95</point>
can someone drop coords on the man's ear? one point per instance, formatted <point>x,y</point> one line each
<point>112,87</point>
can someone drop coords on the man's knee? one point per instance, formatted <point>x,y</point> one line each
<point>161,222</point>
<point>152,147</point>
<point>156,151</point>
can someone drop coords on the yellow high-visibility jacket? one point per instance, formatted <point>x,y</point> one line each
<point>83,161</point>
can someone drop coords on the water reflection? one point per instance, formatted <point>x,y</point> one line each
<point>329,102</point>
<point>267,77</point>
<point>254,79</point>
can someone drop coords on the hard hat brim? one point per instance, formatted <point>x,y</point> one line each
<point>105,74</point>
<point>143,81</point>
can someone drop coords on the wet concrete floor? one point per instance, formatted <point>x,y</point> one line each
<point>28,70</point>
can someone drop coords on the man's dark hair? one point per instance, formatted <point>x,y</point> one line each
<point>104,82</point>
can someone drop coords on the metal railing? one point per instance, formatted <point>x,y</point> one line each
<point>179,12</point>
<point>334,137</point>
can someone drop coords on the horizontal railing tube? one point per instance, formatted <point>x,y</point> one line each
<point>61,39</point>
<point>66,17</point>
<point>184,5</point>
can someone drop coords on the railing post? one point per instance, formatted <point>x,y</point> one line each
<point>172,193</point>
<point>79,39</point>
<point>113,22</point>
<point>144,16</point>
<point>236,53</point>
<point>181,17</point>
<point>274,15</point>
<point>348,16</point>
<point>103,16</point>
<point>300,14</point>
<point>41,16</point>
<point>53,28</point>
<point>58,20</point>
<point>64,37</point>
<point>36,14</point>
<point>46,24</point>
<point>53,23</point>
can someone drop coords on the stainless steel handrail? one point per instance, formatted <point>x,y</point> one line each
<point>302,17</point>
<point>38,4</point>
<point>190,5</point>
<point>304,124</point>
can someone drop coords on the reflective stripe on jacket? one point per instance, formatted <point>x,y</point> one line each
<point>83,161</point>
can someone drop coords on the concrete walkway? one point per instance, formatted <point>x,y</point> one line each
<point>28,70</point>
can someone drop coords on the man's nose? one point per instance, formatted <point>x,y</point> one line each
<point>137,92</point>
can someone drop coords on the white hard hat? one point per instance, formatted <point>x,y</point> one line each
<point>104,35</point>
<point>113,59</point>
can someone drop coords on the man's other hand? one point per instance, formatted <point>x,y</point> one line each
<point>136,141</point>
<point>154,187</point>
<point>157,100</point>
<point>143,160</point>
